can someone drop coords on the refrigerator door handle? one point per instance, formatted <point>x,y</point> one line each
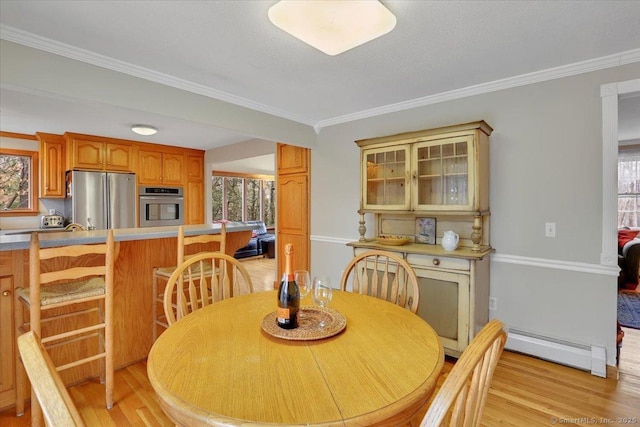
<point>107,198</point>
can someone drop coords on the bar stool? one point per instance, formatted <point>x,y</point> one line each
<point>164,273</point>
<point>70,298</point>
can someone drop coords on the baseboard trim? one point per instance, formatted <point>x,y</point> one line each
<point>586,357</point>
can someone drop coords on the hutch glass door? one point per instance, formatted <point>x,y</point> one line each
<point>385,178</point>
<point>442,174</point>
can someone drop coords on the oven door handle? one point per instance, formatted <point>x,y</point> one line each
<point>162,198</point>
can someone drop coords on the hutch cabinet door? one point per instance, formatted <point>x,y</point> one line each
<point>445,305</point>
<point>385,178</point>
<point>443,175</point>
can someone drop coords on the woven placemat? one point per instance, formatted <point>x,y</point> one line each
<point>309,328</point>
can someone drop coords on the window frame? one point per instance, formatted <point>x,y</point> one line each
<point>245,177</point>
<point>630,150</point>
<point>33,181</point>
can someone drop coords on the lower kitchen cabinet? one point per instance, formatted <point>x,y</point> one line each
<point>13,273</point>
<point>7,383</point>
<point>454,290</point>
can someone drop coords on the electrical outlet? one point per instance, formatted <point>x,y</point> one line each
<point>550,229</point>
<point>493,303</point>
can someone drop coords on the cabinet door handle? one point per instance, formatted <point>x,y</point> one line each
<point>436,261</point>
<point>6,293</point>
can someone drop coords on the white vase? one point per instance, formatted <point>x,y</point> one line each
<point>449,241</point>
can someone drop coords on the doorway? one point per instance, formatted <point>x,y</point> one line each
<point>611,95</point>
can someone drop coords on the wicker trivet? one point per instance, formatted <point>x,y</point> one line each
<point>309,328</point>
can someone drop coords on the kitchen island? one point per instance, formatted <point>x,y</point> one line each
<point>138,251</point>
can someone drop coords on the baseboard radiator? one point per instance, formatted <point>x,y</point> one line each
<point>590,358</point>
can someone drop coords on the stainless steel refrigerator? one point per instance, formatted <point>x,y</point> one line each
<point>107,198</point>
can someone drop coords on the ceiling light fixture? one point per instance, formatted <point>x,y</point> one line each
<point>144,130</point>
<point>333,26</point>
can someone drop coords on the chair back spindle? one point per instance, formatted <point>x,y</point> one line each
<point>383,275</point>
<point>193,286</point>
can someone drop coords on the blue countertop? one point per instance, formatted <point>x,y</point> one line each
<point>49,238</point>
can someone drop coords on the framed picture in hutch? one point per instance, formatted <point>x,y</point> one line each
<point>426,230</point>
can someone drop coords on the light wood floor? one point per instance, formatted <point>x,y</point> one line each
<point>525,391</point>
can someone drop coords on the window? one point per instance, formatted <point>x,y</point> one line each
<point>239,197</point>
<point>629,186</point>
<point>18,182</point>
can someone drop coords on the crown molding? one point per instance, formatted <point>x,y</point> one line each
<point>610,61</point>
<point>37,42</point>
<point>51,46</point>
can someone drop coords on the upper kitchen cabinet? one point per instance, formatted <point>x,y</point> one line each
<point>195,167</point>
<point>90,152</point>
<point>292,159</point>
<point>52,165</point>
<point>160,167</point>
<point>194,189</point>
<point>436,170</point>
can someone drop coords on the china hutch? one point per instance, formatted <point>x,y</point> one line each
<point>440,176</point>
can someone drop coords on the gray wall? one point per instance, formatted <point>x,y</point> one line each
<point>546,166</point>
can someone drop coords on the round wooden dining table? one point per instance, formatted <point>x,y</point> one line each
<point>217,366</point>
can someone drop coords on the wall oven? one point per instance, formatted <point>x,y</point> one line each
<point>161,206</point>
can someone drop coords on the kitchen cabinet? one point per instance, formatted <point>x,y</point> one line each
<point>13,272</point>
<point>195,167</point>
<point>454,290</point>
<point>194,192</point>
<point>160,167</point>
<point>194,202</point>
<point>436,170</point>
<point>292,160</point>
<point>7,375</point>
<point>90,152</point>
<point>293,183</point>
<point>52,165</point>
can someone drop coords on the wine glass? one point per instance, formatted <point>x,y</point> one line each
<point>303,280</point>
<point>304,286</point>
<point>322,293</point>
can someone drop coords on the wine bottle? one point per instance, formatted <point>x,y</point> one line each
<point>288,294</point>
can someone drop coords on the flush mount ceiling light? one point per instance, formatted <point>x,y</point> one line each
<point>333,26</point>
<point>144,130</point>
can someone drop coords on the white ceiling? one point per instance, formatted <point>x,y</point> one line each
<point>229,50</point>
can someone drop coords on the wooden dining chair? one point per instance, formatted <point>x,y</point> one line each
<point>193,286</point>
<point>383,275</point>
<point>163,273</point>
<point>461,399</point>
<point>52,395</point>
<point>70,304</point>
